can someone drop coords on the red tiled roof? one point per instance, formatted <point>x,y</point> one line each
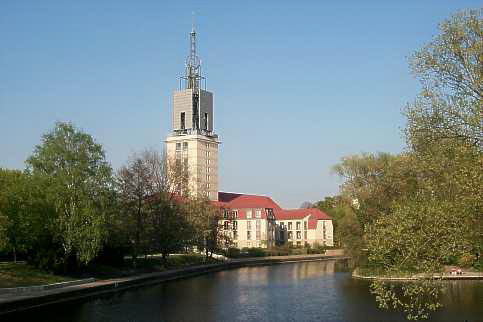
<point>240,201</point>
<point>300,214</point>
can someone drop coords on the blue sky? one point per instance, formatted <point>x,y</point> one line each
<point>297,84</point>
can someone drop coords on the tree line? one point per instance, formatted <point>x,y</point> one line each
<point>69,208</point>
<point>421,209</point>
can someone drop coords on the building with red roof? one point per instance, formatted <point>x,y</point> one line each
<point>258,221</point>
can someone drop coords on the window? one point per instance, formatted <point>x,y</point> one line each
<point>258,213</point>
<point>235,235</point>
<point>235,213</point>
<point>178,146</point>
<point>305,225</point>
<point>183,125</point>
<point>249,213</point>
<point>299,243</point>
<point>235,225</point>
<point>249,235</point>
<point>257,224</point>
<point>225,214</point>
<point>281,225</point>
<point>206,121</point>
<point>226,225</point>
<point>298,225</point>
<point>249,225</point>
<point>299,235</point>
<point>258,234</point>
<point>281,236</point>
<point>305,234</point>
<point>208,169</point>
<point>290,235</point>
<point>289,226</point>
<point>185,146</point>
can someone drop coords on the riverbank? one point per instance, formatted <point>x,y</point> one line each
<point>25,300</point>
<point>441,276</point>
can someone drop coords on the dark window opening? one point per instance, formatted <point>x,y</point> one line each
<point>183,121</point>
<point>206,121</point>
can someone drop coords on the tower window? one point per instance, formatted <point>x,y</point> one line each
<point>183,121</point>
<point>206,121</point>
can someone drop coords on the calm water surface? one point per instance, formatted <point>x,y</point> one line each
<point>307,291</point>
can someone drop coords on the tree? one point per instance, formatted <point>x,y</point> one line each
<point>79,183</point>
<point>449,69</point>
<point>210,235</point>
<point>306,204</point>
<point>14,212</point>
<point>151,203</point>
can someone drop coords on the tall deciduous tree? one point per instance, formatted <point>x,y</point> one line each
<point>79,184</point>
<point>150,196</point>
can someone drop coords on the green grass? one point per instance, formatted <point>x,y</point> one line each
<point>15,275</point>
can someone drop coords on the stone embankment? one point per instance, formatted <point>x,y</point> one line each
<point>12,301</point>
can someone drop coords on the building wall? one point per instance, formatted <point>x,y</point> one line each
<point>310,236</point>
<point>206,106</point>
<point>183,102</point>
<point>202,154</point>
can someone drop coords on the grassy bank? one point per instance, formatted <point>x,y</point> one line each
<point>15,275</point>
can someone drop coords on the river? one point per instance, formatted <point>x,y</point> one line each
<point>304,291</point>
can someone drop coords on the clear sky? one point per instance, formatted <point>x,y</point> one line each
<point>297,84</point>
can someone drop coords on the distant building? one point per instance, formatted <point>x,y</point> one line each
<point>193,144</point>
<point>251,221</point>
<point>258,221</point>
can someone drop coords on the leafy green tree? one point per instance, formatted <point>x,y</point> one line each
<point>79,182</point>
<point>420,207</point>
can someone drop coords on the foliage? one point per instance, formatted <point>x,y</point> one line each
<point>422,208</point>
<point>206,220</point>
<point>79,181</point>
<point>416,299</point>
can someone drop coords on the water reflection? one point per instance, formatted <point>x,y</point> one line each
<point>307,291</point>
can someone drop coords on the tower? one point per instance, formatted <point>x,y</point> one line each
<point>193,142</point>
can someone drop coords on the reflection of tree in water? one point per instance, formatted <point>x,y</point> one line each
<point>461,293</point>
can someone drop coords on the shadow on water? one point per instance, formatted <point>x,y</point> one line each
<point>305,291</point>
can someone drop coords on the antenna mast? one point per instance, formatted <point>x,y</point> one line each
<point>193,63</point>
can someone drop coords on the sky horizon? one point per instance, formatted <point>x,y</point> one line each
<point>296,86</point>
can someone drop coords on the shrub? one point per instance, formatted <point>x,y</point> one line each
<point>466,260</point>
<point>233,252</point>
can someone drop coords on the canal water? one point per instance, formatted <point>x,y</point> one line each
<point>304,291</point>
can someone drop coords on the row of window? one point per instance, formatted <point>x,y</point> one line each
<point>290,235</point>
<point>289,225</point>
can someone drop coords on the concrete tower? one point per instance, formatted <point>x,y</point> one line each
<point>193,142</point>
